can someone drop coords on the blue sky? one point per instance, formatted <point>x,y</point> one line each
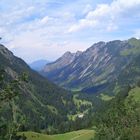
<point>45,29</point>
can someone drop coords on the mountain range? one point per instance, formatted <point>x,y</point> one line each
<point>95,68</point>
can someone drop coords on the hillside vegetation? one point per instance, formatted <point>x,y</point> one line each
<point>120,118</point>
<point>39,105</point>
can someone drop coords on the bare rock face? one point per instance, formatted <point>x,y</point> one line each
<point>63,61</point>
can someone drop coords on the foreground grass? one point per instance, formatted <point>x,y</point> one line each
<point>135,94</point>
<point>75,135</point>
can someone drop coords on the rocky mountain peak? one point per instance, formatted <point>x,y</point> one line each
<point>68,54</point>
<point>78,53</point>
<point>98,64</point>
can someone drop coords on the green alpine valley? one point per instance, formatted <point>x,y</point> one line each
<point>95,96</point>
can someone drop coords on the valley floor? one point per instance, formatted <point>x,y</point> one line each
<point>75,135</point>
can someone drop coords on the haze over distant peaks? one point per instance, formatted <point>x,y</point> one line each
<point>38,64</point>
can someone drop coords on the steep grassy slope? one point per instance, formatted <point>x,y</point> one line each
<point>132,51</point>
<point>135,94</point>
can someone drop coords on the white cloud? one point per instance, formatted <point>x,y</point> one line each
<point>36,29</point>
<point>107,16</point>
<point>111,27</point>
<point>87,8</point>
<point>18,15</point>
<point>99,12</point>
<point>45,20</point>
<point>83,23</point>
<point>31,46</point>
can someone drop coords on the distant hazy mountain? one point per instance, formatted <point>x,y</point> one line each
<point>39,64</point>
<point>94,68</point>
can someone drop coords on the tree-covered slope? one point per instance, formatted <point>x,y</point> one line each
<point>120,117</point>
<point>40,105</point>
